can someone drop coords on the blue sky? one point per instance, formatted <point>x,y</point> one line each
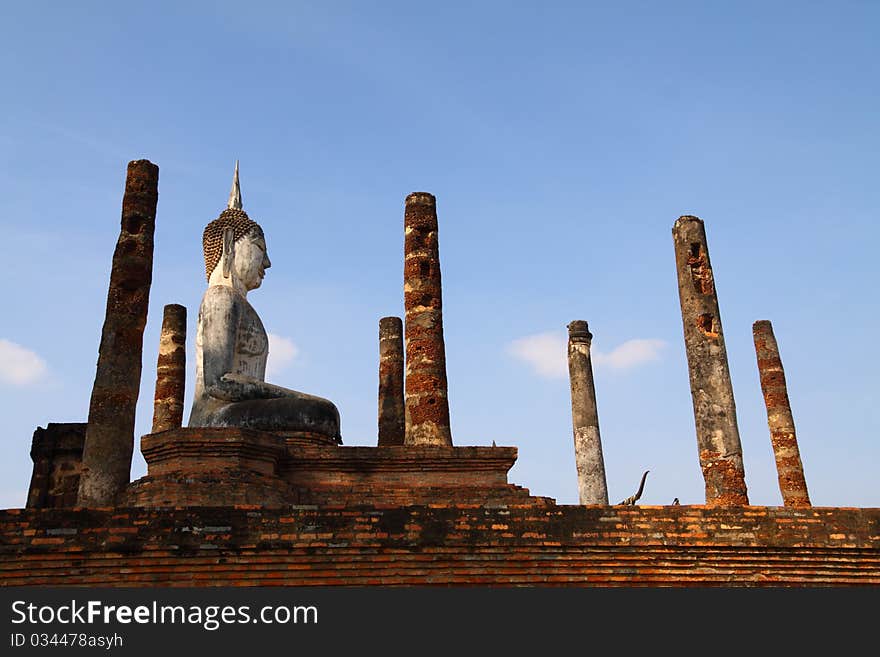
<point>561,140</point>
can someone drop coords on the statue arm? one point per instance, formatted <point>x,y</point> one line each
<point>241,386</point>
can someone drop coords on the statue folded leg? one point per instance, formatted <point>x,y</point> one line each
<point>283,414</point>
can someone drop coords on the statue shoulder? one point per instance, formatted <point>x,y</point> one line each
<point>221,294</point>
<point>220,297</point>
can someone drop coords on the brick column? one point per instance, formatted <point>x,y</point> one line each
<point>392,410</point>
<point>711,389</point>
<point>427,404</point>
<point>792,483</point>
<point>170,370</point>
<point>109,438</point>
<point>592,487</point>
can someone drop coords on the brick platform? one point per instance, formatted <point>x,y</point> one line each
<point>222,467</point>
<point>236,507</point>
<point>441,545</point>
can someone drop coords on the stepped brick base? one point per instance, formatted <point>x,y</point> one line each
<point>222,467</point>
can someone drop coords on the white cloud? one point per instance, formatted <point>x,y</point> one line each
<point>630,354</point>
<point>547,354</point>
<point>281,352</point>
<point>20,366</point>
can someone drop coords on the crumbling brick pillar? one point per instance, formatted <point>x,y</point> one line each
<point>711,388</point>
<point>789,468</point>
<point>392,409</point>
<point>170,370</point>
<point>427,403</point>
<point>592,487</point>
<point>109,441</point>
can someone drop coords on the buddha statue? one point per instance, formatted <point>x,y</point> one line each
<point>232,345</point>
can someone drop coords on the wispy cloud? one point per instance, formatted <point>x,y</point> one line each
<point>282,351</point>
<point>20,366</point>
<point>631,353</point>
<point>547,354</point>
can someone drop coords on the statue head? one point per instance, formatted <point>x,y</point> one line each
<point>236,242</point>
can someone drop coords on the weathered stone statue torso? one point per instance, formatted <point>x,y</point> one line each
<point>232,345</point>
<point>237,344</point>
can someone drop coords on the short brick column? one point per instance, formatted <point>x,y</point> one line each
<point>170,370</point>
<point>789,468</point>
<point>392,409</point>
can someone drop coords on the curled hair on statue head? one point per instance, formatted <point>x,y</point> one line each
<point>214,237</point>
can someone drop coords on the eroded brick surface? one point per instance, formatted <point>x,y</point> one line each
<point>589,460</point>
<point>170,370</point>
<point>711,388</point>
<point>392,410</point>
<point>56,452</point>
<point>204,466</point>
<point>790,469</point>
<point>509,545</point>
<point>109,439</point>
<point>426,398</point>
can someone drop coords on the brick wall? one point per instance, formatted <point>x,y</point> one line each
<point>440,545</point>
<point>57,455</point>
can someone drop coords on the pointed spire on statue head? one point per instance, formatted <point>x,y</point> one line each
<point>235,192</point>
<point>233,217</point>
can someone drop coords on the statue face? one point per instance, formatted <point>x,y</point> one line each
<point>251,261</point>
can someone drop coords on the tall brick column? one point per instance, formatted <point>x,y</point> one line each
<point>711,388</point>
<point>590,463</point>
<point>109,440</point>
<point>392,409</point>
<point>170,370</point>
<point>427,403</point>
<point>792,483</point>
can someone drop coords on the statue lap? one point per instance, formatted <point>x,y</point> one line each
<point>305,414</point>
<point>286,411</point>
